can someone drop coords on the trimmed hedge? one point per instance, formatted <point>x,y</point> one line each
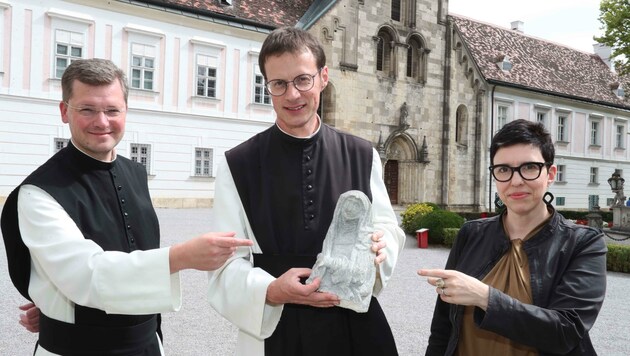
<point>581,215</point>
<point>450,233</point>
<point>475,216</point>
<point>618,258</point>
<point>438,220</point>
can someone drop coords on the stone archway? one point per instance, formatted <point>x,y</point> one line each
<point>401,162</point>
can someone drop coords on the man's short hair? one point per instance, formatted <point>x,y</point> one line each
<point>95,71</point>
<point>290,40</point>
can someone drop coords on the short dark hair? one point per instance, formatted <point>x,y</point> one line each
<point>290,40</point>
<point>523,132</point>
<point>94,71</point>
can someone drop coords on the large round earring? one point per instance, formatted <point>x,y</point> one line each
<point>548,198</point>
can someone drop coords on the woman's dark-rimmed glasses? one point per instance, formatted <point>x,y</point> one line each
<point>527,170</point>
<point>303,82</point>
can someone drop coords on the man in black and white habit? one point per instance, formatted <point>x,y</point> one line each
<point>279,189</point>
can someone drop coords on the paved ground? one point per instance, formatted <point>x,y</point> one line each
<point>408,302</point>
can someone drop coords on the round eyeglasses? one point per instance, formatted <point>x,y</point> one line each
<point>527,170</point>
<point>303,82</point>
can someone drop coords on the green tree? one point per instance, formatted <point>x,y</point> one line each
<point>615,18</point>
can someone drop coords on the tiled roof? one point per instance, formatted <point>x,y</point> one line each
<point>275,13</point>
<point>538,64</point>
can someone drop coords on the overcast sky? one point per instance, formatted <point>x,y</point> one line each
<point>569,22</point>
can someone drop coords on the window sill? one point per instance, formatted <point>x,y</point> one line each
<point>415,82</point>
<point>560,182</point>
<point>382,76</point>
<point>139,90</point>
<point>593,184</point>
<point>563,143</point>
<point>202,97</point>
<point>594,146</point>
<point>261,105</point>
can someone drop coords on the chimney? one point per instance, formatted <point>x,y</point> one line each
<point>603,52</point>
<point>517,26</point>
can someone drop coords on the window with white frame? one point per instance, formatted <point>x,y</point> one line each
<point>68,39</point>
<point>594,175</point>
<point>141,153</point>
<point>261,96</point>
<point>206,76</point>
<point>561,173</point>
<point>68,48</point>
<point>562,128</point>
<point>595,133</point>
<point>541,117</point>
<point>61,143</point>
<point>620,136</point>
<point>209,67</point>
<point>203,162</point>
<point>502,116</point>
<point>142,66</point>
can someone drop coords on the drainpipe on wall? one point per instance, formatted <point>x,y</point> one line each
<point>490,200</point>
<point>446,113</point>
<point>477,183</point>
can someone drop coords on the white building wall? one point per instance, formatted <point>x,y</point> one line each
<point>577,154</point>
<point>170,118</point>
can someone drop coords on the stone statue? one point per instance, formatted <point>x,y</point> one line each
<point>346,264</point>
<point>404,115</point>
<point>619,198</point>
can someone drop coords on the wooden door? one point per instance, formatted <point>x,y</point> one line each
<point>391,180</point>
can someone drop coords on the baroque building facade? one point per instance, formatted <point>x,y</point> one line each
<point>427,89</point>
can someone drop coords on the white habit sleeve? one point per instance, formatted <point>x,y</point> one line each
<point>67,269</point>
<point>384,219</point>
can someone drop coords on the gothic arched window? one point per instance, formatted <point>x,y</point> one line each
<point>461,125</point>
<point>384,60</point>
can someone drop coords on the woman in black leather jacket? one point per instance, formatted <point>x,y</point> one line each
<point>526,282</point>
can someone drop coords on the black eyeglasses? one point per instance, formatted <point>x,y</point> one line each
<point>303,82</point>
<point>527,170</point>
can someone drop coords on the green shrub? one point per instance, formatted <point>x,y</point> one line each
<point>438,220</point>
<point>433,205</point>
<point>450,233</point>
<point>606,214</point>
<point>411,214</point>
<point>474,216</point>
<point>618,258</point>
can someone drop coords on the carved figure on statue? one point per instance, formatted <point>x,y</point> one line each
<point>346,263</point>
